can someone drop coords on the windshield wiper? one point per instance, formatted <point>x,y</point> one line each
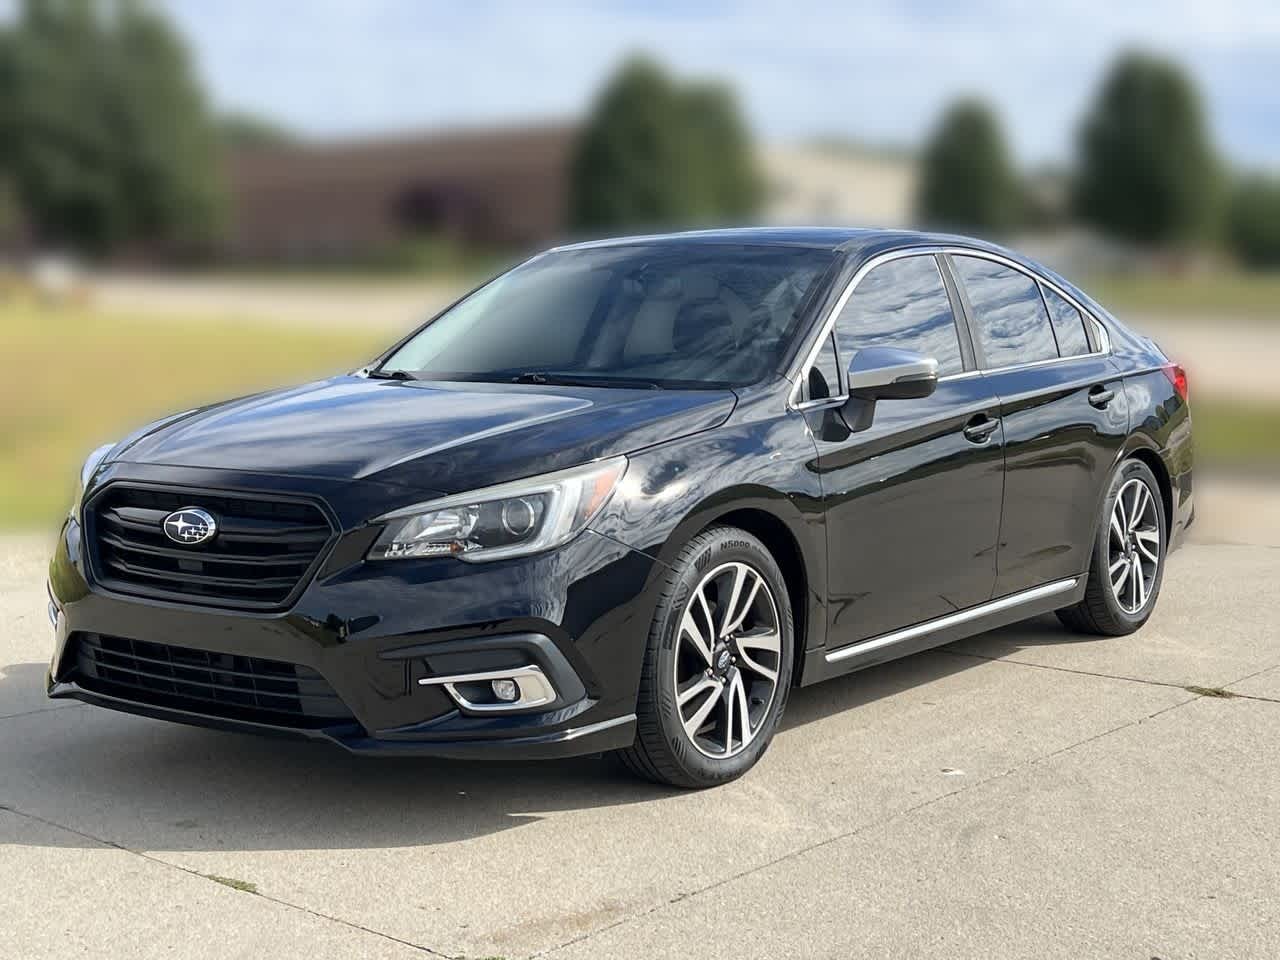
<point>585,380</point>
<point>389,375</point>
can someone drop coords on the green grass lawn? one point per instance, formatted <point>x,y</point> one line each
<point>76,378</point>
<point>1253,296</point>
<point>1229,434</point>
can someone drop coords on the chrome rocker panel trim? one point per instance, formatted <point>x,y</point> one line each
<point>953,619</point>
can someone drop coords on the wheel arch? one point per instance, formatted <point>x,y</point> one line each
<point>795,542</point>
<point>1141,448</point>
<point>785,550</point>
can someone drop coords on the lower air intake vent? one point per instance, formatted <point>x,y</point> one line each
<point>199,681</point>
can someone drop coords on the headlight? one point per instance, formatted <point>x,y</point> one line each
<point>509,520</point>
<point>91,464</point>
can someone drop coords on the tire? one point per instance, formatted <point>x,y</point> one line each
<point>676,662</point>
<point>1106,609</point>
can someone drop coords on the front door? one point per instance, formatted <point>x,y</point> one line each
<point>913,500</point>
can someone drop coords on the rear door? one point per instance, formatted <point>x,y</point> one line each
<point>913,500</point>
<point>1063,410</point>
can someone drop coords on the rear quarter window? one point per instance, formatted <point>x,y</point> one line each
<point>1068,324</point>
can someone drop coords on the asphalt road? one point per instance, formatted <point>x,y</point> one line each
<point>1026,793</point>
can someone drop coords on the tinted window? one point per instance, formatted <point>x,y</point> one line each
<point>902,303</point>
<point>699,314</point>
<point>1012,324</point>
<point>1068,325</point>
<point>824,375</point>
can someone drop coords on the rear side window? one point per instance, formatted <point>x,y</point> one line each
<point>1011,322</point>
<point>1068,325</point>
<point>904,304</point>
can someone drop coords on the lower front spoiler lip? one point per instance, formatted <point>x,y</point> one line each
<point>592,738</point>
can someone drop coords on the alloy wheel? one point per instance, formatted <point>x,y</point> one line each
<point>1133,550</point>
<point>727,660</point>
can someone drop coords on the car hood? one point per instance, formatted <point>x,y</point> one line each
<point>431,436</point>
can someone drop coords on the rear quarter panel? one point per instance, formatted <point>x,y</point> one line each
<point>1161,423</point>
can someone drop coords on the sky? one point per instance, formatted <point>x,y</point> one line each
<point>877,72</point>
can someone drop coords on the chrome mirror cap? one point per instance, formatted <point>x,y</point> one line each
<point>888,373</point>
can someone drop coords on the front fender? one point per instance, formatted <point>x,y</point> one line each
<point>759,469</point>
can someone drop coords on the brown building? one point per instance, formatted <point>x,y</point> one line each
<point>502,188</point>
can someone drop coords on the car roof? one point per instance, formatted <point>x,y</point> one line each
<point>857,241</point>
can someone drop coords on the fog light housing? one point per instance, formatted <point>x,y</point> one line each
<point>506,690</point>
<point>512,688</point>
<point>52,610</point>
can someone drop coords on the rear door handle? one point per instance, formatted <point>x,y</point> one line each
<point>980,428</point>
<point>1101,396</point>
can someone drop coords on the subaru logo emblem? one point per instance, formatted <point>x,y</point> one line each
<point>190,525</point>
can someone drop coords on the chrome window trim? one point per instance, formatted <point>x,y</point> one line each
<point>800,371</point>
<point>822,402</point>
<point>1031,364</point>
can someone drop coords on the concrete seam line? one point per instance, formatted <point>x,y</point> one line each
<point>1113,676</point>
<point>27,713</point>
<point>1250,696</point>
<point>4,807</point>
<point>867,827</point>
<point>1236,543</point>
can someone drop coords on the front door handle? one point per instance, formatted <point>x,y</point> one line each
<point>1100,397</point>
<point>980,428</point>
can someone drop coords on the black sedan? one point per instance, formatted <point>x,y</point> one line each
<point>626,495</point>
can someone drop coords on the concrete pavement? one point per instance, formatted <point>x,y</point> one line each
<point>1028,792</point>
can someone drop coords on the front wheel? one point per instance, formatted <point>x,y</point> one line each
<point>718,664</point>
<point>1127,567</point>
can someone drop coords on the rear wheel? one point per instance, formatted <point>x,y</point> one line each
<point>1127,566</point>
<point>718,665</point>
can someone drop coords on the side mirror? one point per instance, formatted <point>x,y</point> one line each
<point>887,373</point>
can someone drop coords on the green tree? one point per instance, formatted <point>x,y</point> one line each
<point>725,184</point>
<point>9,220</point>
<point>1147,169</point>
<point>167,145</point>
<point>967,180</point>
<point>1253,221</point>
<point>239,130</point>
<point>105,134</point>
<point>57,145</point>
<point>656,152</point>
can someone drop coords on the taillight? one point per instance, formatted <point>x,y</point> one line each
<point>1178,377</point>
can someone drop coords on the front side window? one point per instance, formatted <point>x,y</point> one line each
<point>1068,324</point>
<point>902,303</point>
<point>1010,319</point>
<point>682,315</point>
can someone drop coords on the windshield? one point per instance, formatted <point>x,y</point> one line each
<point>687,315</point>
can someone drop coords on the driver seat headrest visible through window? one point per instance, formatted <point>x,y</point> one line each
<point>700,325</point>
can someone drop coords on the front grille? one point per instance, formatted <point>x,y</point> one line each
<point>199,681</point>
<point>262,552</point>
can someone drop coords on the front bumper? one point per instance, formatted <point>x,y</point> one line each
<point>374,631</point>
